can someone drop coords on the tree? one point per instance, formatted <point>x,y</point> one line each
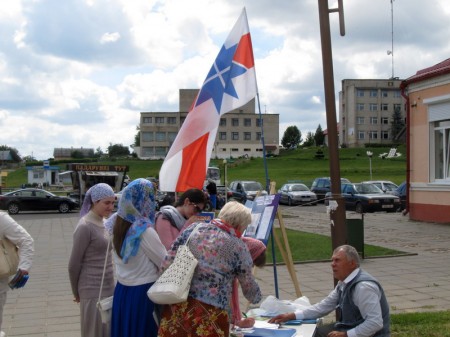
<point>319,136</point>
<point>397,123</point>
<point>98,152</point>
<point>137,138</point>
<point>77,154</point>
<point>309,141</point>
<point>117,150</point>
<point>292,137</point>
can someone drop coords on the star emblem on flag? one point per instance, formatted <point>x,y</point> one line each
<point>218,81</point>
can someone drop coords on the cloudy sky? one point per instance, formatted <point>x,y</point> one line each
<point>77,73</point>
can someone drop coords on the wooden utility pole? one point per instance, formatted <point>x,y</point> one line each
<point>337,217</point>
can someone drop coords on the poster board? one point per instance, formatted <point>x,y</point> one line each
<point>264,210</point>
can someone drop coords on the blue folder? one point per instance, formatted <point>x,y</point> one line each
<point>261,332</point>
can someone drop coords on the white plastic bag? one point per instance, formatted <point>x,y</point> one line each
<point>272,306</point>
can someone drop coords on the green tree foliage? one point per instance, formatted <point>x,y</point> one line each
<point>292,137</point>
<point>77,154</point>
<point>319,136</point>
<point>118,150</point>
<point>398,123</point>
<point>309,141</point>
<point>137,138</point>
<point>14,153</point>
<point>98,152</point>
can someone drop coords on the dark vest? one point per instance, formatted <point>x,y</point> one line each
<point>349,315</point>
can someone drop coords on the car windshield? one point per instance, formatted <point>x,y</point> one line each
<point>367,188</point>
<point>298,188</point>
<point>254,186</point>
<point>390,187</point>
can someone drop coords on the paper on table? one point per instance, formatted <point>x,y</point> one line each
<point>265,325</point>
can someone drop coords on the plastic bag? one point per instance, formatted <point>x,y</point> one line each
<point>273,306</point>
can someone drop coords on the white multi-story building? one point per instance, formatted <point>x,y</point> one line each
<point>239,132</point>
<point>366,109</point>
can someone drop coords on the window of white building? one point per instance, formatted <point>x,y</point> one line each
<point>359,120</point>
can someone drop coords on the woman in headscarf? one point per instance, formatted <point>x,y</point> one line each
<point>90,242</point>
<point>137,254</point>
<point>221,256</point>
<point>171,220</point>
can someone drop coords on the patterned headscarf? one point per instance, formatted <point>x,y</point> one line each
<point>136,205</point>
<point>95,193</point>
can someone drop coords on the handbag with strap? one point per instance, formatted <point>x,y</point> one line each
<point>105,305</point>
<point>174,283</point>
<point>9,258</point>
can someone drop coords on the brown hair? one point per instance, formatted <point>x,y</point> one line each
<point>120,230</point>
<point>194,195</point>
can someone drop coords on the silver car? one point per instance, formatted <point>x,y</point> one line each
<point>296,194</point>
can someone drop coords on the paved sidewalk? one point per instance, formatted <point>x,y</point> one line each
<point>412,283</point>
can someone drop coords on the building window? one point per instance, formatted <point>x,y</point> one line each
<point>147,120</point>
<point>384,93</point>
<point>247,136</point>
<point>360,120</point>
<point>397,107</point>
<point>258,122</point>
<point>359,93</point>
<point>397,94</point>
<point>373,135</point>
<point>384,120</point>
<point>360,106</point>
<point>384,135</point>
<point>235,135</point>
<point>373,93</point>
<point>171,120</point>
<point>147,151</point>
<point>160,151</point>
<point>384,107</point>
<point>222,136</point>
<point>223,122</point>
<point>258,136</point>
<point>373,107</point>
<point>247,122</point>
<point>147,136</point>
<point>441,149</point>
<point>373,120</point>
<point>235,121</point>
<point>182,119</point>
<point>361,135</point>
<point>160,136</point>
<point>159,120</point>
<point>171,136</point>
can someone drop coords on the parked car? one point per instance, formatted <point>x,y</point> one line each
<point>401,193</point>
<point>242,191</point>
<point>364,197</point>
<point>385,185</point>
<point>296,194</point>
<point>34,199</point>
<point>321,186</point>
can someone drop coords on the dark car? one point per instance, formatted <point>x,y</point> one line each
<point>321,186</point>
<point>363,198</point>
<point>245,190</point>
<point>296,194</point>
<point>34,199</point>
<point>401,193</point>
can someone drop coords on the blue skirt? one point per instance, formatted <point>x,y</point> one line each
<point>132,312</point>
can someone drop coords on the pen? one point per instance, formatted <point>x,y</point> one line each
<point>244,314</point>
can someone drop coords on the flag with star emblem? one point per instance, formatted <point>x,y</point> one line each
<point>230,84</point>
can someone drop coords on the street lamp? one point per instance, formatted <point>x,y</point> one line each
<point>370,154</point>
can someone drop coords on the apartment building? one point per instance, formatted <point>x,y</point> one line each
<point>239,132</point>
<point>366,110</point>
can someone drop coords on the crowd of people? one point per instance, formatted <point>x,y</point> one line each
<point>122,254</point>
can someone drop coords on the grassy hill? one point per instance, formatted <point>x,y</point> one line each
<point>299,164</point>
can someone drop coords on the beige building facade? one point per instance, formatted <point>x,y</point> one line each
<point>366,109</point>
<point>239,132</point>
<point>428,146</point>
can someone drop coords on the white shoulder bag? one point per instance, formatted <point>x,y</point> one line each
<point>105,305</point>
<point>174,283</point>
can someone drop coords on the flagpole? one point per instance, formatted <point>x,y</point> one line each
<point>263,144</point>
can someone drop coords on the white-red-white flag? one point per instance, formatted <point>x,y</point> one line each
<point>230,84</point>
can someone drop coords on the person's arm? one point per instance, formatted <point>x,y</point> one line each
<point>324,307</point>
<point>81,240</point>
<point>250,288</point>
<point>367,298</point>
<point>152,247</point>
<point>21,238</point>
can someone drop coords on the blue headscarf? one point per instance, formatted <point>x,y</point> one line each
<point>136,205</point>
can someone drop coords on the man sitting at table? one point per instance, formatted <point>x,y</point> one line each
<point>361,306</point>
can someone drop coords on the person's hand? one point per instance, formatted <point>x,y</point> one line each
<point>76,299</point>
<point>248,322</point>
<point>282,318</point>
<point>337,334</point>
